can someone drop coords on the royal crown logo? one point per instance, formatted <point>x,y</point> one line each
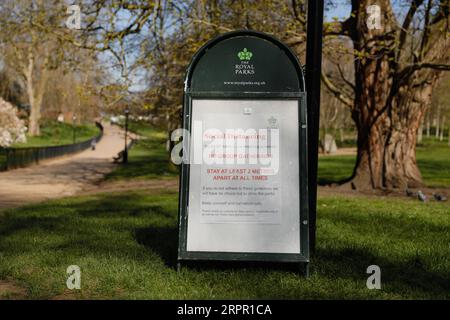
<point>273,122</point>
<point>245,54</point>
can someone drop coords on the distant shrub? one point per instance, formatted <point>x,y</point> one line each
<point>12,129</point>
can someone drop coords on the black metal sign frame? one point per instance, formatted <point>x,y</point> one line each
<point>300,96</point>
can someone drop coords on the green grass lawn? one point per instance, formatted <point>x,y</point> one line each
<point>126,246</point>
<point>332,169</point>
<point>433,158</point>
<point>54,133</point>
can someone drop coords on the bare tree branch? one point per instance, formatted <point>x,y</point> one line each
<point>425,65</point>
<point>300,18</point>
<point>336,91</point>
<point>348,82</point>
<point>406,24</point>
<point>426,30</point>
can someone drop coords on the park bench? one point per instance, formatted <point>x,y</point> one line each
<point>119,157</point>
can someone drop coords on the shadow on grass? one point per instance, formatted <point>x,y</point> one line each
<point>410,274</point>
<point>163,241</point>
<point>140,228</point>
<point>341,263</point>
<point>12,226</point>
<point>92,224</point>
<point>122,205</point>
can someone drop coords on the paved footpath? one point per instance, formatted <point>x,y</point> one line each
<point>62,176</point>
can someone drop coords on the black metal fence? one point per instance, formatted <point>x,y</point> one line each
<point>11,158</point>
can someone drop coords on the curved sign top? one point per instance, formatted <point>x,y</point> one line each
<point>245,61</point>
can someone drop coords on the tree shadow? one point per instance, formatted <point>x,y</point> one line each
<point>160,240</point>
<point>163,241</point>
<point>410,274</point>
<point>75,226</point>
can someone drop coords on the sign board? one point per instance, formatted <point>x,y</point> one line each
<point>243,183</point>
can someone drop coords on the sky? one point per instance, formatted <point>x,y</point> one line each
<point>341,11</point>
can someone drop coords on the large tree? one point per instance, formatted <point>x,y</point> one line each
<point>397,65</point>
<point>29,50</point>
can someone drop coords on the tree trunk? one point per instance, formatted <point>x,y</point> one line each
<point>387,140</point>
<point>35,116</point>
<point>341,135</point>
<point>428,125</point>
<point>387,111</point>
<point>387,155</point>
<point>386,148</point>
<point>449,136</point>
<point>35,112</point>
<point>438,118</point>
<point>441,137</point>
<point>420,133</point>
<point>35,93</point>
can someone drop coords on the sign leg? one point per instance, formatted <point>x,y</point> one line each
<point>304,269</point>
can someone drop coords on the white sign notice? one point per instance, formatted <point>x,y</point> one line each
<point>244,176</point>
<point>240,195</point>
<point>242,188</point>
